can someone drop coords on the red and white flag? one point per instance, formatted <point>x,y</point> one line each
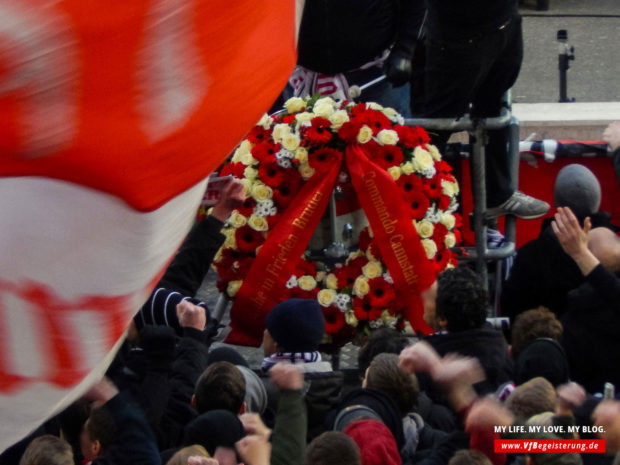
<point>112,115</point>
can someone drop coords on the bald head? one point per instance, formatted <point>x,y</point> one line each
<point>605,245</point>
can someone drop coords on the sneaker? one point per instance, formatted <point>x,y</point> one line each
<point>520,205</point>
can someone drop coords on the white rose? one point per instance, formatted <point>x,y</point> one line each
<point>422,160</point>
<point>306,283</point>
<point>290,141</point>
<point>258,223</point>
<point>425,228</point>
<point>364,135</point>
<point>250,172</point>
<point>306,171</point>
<point>393,115</point>
<point>450,240</point>
<point>261,192</point>
<point>323,109</point>
<point>247,184</point>
<point>374,106</point>
<point>449,188</point>
<point>339,118</point>
<point>247,159</point>
<point>237,220</point>
<point>320,276</point>
<point>429,247</point>
<point>331,281</point>
<point>294,104</point>
<point>350,318</point>
<point>265,121</point>
<point>304,117</point>
<point>361,286</point>
<point>407,168</point>
<point>326,297</point>
<point>279,131</point>
<point>233,288</point>
<point>230,242</point>
<point>433,151</point>
<point>387,137</point>
<point>395,172</point>
<point>301,154</point>
<point>448,220</point>
<point>372,269</point>
<point>356,254</point>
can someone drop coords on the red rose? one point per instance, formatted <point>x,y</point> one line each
<point>270,173</point>
<point>410,185</point>
<point>265,151</point>
<point>258,134</point>
<point>381,292</point>
<point>387,156</point>
<point>322,159</point>
<point>334,319</point>
<point>248,239</point>
<point>418,203</point>
<point>364,310</point>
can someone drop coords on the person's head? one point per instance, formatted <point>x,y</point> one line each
<point>375,441</point>
<point>576,187</point>
<point>469,457</point>
<point>221,386</point>
<point>255,400</point>
<point>384,375</point>
<point>531,398</point>
<point>384,340</point>
<point>534,324</point>
<point>181,456</point>
<point>333,448</point>
<point>542,357</point>
<point>98,433</point>
<point>552,458</point>
<point>295,325</point>
<point>605,245</point>
<point>462,300</point>
<point>47,450</point>
<point>217,431</point>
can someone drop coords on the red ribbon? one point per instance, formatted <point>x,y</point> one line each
<point>277,259</point>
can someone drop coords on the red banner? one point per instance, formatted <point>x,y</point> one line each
<point>278,257</point>
<point>394,232</point>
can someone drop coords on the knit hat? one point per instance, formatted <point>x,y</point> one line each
<point>297,325</point>
<point>214,429</point>
<point>226,354</point>
<point>161,309</point>
<point>535,396</point>
<point>542,357</point>
<point>576,187</point>
<point>376,443</point>
<point>255,392</point>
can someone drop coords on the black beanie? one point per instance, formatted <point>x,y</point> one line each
<point>297,325</point>
<point>542,357</point>
<point>213,429</point>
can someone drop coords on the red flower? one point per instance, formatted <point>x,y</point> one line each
<point>248,239</point>
<point>348,132</point>
<point>410,184</point>
<point>444,202</point>
<point>242,266</point>
<point>270,173</point>
<point>444,168</point>
<point>406,136</point>
<point>305,267</point>
<point>432,187</point>
<point>381,292</point>
<point>364,310</point>
<point>247,207</point>
<point>439,234</point>
<point>322,159</point>
<point>418,203</point>
<point>258,134</point>
<point>387,156</point>
<point>358,109</point>
<point>375,120</point>
<point>235,169</point>
<point>346,276</point>
<point>265,151</point>
<point>334,319</point>
<point>357,264</point>
<point>288,119</point>
<point>421,135</point>
<point>443,259</point>
<point>318,133</point>
<point>364,239</point>
<point>373,248</point>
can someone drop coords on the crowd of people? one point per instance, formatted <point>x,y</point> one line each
<point>433,400</point>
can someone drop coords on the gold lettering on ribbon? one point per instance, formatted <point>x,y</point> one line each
<point>388,224</point>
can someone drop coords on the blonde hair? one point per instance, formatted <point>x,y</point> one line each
<point>181,456</point>
<point>47,450</point>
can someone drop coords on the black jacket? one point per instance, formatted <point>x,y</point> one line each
<point>591,328</point>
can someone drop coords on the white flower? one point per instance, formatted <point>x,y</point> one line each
<point>372,269</point>
<point>374,106</point>
<point>247,159</point>
<point>364,135</point>
<point>306,171</point>
<point>237,220</point>
<point>304,117</point>
<point>387,137</point>
<point>292,282</point>
<point>388,277</point>
<point>290,141</point>
<point>430,248</point>
<point>433,151</point>
<point>326,297</point>
<point>243,148</point>
<point>306,283</point>
<point>407,168</point>
<point>265,121</point>
<point>342,301</point>
<point>258,223</point>
<point>247,184</point>
<point>323,109</point>
<point>395,172</point>
<point>250,173</point>
<point>284,163</point>
<point>422,160</point>
<point>361,286</point>
<point>448,220</point>
<point>450,240</point>
<point>425,228</point>
<point>449,188</point>
<point>263,208</point>
<point>331,281</point>
<point>393,115</point>
<point>350,318</point>
<point>279,131</point>
<point>338,118</point>
<point>301,154</point>
<point>261,192</point>
<point>233,288</point>
<point>294,104</point>
<point>325,101</point>
<point>429,172</point>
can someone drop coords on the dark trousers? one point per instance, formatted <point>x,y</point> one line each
<point>475,72</point>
